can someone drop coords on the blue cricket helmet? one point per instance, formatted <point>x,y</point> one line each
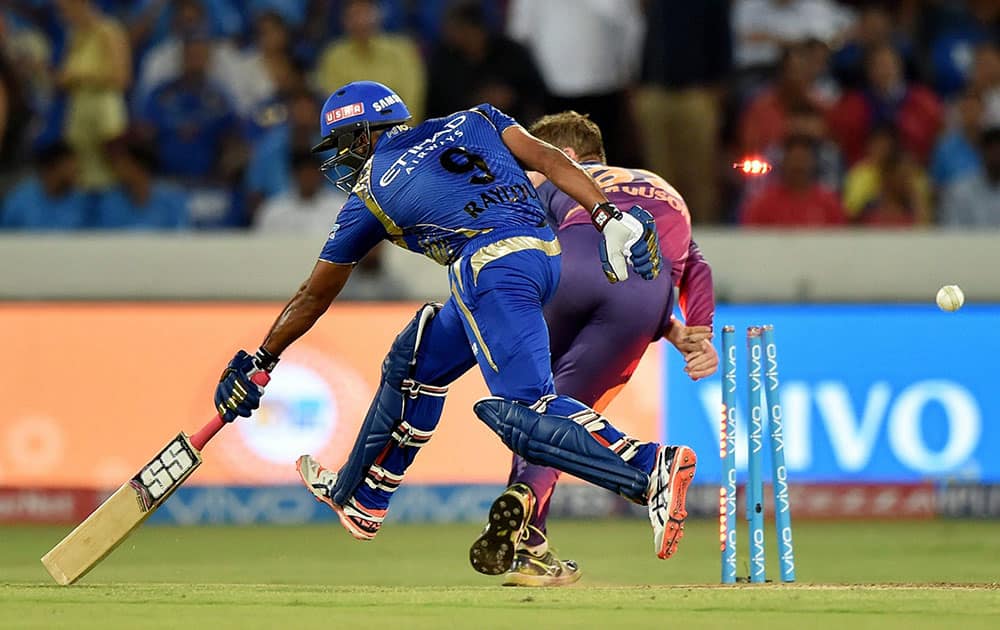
<point>346,122</point>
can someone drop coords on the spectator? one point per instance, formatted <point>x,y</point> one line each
<point>289,78</point>
<point>678,104</point>
<point>322,25</point>
<point>899,202</point>
<point>254,78</point>
<point>796,199</point>
<point>139,201</point>
<point>984,79</point>
<point>269,171</point>
<point>888,100</point>
<point>42,18</point>
<point>15,113</point>
<point>190,120</point>
<point>426,18</point>
<point>588,52</point>
<point>763,28</point>
<point>164,61</point>
<point>873,27</point>
<point>309,207</point>
<point>863,184</point>
<point>956,153</point>
<point>291,12</point>
<point>366,53</point>
<point>28,52</point>
<point>94,75</point>
<point>974,200</point>
<point>472,65</point>
<point>824,85</point>
<point>49,200</point>
<point>808,122</point>
<point>951,52</point>
<point>33,38</point>
<point>141,22</point>
<point>150,21</point>
<point>764,122</point>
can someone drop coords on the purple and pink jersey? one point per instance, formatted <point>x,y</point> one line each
<point>599,331</point>
<point>626,187</point>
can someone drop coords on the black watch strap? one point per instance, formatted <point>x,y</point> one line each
<point>602,213</point>
<point>265,360</point>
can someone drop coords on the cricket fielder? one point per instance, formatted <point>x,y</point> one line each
<point>453,189</point>
<point>599,331</point>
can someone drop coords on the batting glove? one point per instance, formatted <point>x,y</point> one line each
<point>628,238</point>
<point>237,395</point>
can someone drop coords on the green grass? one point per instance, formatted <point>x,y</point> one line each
<point>856,575</point>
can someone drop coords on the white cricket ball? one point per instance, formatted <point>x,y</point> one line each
<point>950,298</point>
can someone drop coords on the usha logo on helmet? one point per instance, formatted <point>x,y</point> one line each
<point>357,109</point>
<point>347,111</point>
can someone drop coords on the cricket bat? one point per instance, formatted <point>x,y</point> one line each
<point>125,510</point>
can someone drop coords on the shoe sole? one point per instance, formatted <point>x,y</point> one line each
<point>493,552</point>
<point>346,522</point>
<point>685,462</point>
<point>540,581</point>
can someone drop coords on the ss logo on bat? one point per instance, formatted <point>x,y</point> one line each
<point>166,469</point>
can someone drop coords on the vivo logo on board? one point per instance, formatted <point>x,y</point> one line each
<point>855,427</point>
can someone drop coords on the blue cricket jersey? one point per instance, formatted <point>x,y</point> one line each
<point>433,188</point>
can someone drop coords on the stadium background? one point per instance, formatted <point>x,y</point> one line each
<point>153,221</point>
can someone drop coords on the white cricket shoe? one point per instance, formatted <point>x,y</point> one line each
<point>668,486</point>
<point>360,522</point>
<point>319,480</point>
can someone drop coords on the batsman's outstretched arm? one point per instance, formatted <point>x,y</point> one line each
<point>237,393</point>
<point>309,303</point>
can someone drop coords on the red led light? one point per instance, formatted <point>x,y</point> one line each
<point>753,166</point>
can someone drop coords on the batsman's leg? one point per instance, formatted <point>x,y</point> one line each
<point>503,319</point>
<point>593,370</point>
<point>426,356</point>
<point>598,334</point>
<point>657,476</point>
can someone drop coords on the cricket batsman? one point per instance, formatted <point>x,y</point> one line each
<point>454,189</point>
<point>599,331</point>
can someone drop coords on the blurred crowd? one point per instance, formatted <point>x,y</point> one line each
<point>199,114</point>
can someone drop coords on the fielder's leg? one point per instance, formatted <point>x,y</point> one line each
<point>426,356</point>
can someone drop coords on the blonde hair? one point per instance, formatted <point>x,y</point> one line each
<point>571,129</point>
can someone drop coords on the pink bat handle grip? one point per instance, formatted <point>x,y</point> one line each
<point>207,432</point>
